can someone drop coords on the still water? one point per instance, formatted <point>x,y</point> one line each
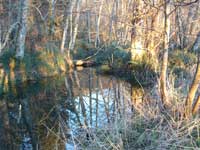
<point>49,113</point>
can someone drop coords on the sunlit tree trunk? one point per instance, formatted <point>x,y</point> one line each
<point>163,75</point>
<point>71,22</point>
<point>111,21</point>
<point>136,44</point>
<point>97,40</point>
<point>88,21</point>
<point>193,89</point>
<point>76,24</point>
<point>64,37</point>
<point>196,106</point>
<point>196,80</point>
<point>23,29</point>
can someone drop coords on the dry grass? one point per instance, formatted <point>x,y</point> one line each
<point>146,128</point>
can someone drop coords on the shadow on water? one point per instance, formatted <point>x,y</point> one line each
<point>48,113</point>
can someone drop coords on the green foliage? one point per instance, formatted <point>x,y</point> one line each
<point>6,58</point>
<point>33,61</point>
<point>34,64</point>
<point>114,56</point>
<point>180,63</point>
<point>83,49</point>
<point>181,72</point>
<point>198,141</point>
<point>143,71</point>
<point>104,69</point>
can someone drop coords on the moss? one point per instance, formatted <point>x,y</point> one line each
<point>33,66</point>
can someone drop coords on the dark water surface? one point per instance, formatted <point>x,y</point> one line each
<point>47,114</point>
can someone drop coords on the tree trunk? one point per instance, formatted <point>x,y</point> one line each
<point>111,22</point>
<point>52,4</point>
<point>196,106</point>
<point>163,76</point>
<point>76,22</point>
<point>97,40</point>
<point>136,43</point>
<point>64,37</point>
<point>23,29</point>
<point>193,90</point>
<point>88,22</point>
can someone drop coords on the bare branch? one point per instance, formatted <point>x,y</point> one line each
<point>2,45</point>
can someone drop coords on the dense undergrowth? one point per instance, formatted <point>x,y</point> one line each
<point>147,127</point>
<point>111,59</point>
<point>33,66</point>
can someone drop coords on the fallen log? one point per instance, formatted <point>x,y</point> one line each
<point>84,63</point>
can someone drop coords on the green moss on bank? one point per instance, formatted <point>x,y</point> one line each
<point>33,66</point>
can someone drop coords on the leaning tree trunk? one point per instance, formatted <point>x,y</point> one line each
<point>193,90</point>
<point>196,80</point>
<point>196,106</point>
<point>163,76</point>
<point>23,29</point>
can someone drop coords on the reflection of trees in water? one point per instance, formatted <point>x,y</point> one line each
<point>41,115</point>
<point>5,138</point>
<point>101,99</point>
<point>52,108</point>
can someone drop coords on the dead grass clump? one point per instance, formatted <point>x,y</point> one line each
<point>148,128</point>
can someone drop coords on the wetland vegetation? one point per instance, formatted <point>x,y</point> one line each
<point>99,75</point>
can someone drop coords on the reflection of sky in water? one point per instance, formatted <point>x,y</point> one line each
<point>106,99</point>
<point>112,95</point>
<point>102,105</point>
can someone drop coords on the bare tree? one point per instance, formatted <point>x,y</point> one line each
<point>76,24</point>
<point>68,11</point>
<point>163,76</point>
<point>97,40</point>
<point>52,6</point>
<point>23,28</point>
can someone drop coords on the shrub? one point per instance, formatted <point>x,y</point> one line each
<point>113,55</point>
<point>181,59</point>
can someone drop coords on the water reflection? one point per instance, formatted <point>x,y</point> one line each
<point>49,113</point>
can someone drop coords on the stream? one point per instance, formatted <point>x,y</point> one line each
<point>50,113</point>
